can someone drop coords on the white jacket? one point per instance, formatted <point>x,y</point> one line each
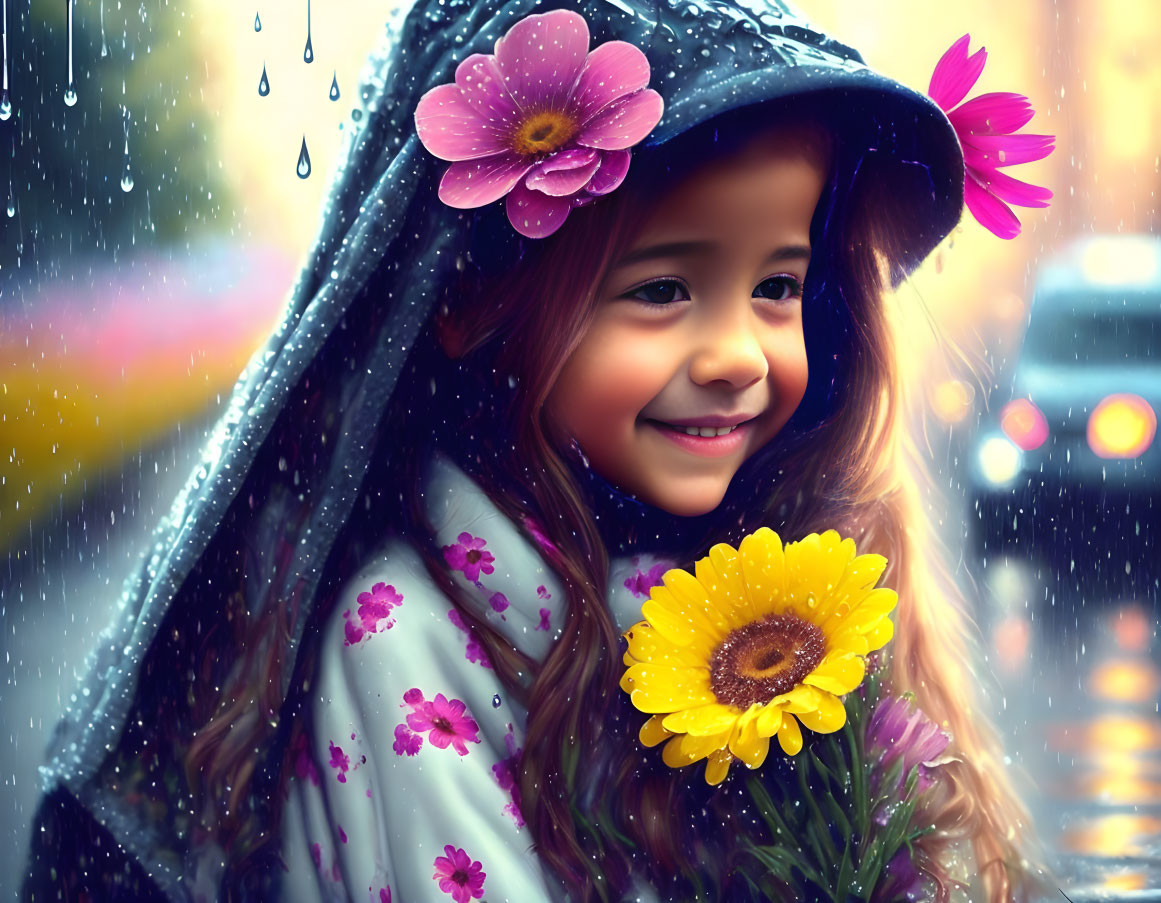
<point>383,793</point>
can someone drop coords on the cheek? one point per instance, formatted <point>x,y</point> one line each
<point>609,378</point>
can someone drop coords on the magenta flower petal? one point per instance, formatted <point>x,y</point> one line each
<point>613,70</point>
<point>474,183</point>
<point>956,73</point>
<point>623,123</point>
<point>614,168</point>
<point>1008,150</point>
<point>565,173</point>
<point>536,214</point>
<point>998,113</point>
<point>541,57</point>
<point>451,129</point>
<point>992,213</point>
<point>984,127</point>
<point>485,90</point>
<point>1004,187</point>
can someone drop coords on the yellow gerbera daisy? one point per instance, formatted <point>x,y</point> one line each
<point>755,641</point>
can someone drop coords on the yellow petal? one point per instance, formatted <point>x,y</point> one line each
<point>881,636</point>
<point>764,569</point>
<point>828,717</point>
<point>723,594</point>
<point>692,597</point>
<point>745,741</point>
<point>648,645</point>
<point>667,617</point>
<point>789,736</point>
<point>854,585</point>
<point>684,749</point>
<point>877,604</point>
<point>728,566</point>
<point>845,640</point>
<point>801,699</point>
<point>717,766</point>
<point>704,720</point>
<point>837,673</point>
<point>814,566</point>
<point>657,688</point>
<point>653,732</point>
<point>769,719</point>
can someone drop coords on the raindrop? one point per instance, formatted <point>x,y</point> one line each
<point>334,95</point>
<point>356,114</point>
<point>496,701</point>
<point>303,161</point>
<point>11,202</point>
<point>70,95</point>
<point>263,83</point>
<point>126,174</point>
<point>257,23</point>
<point>308,53</point>
<point>104,46</point>
<point>5,103</point>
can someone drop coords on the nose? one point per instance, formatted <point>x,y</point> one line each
<point>729,350</point>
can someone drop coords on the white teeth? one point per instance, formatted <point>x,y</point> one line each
<point>706,431</point>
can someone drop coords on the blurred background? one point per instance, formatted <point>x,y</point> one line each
<point>155,211</point>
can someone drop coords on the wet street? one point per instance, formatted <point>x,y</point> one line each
<point>1080,679</point>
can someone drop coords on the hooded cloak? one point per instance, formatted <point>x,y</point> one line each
<point>288,464</point>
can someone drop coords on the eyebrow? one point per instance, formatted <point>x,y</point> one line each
<point>680,248</point>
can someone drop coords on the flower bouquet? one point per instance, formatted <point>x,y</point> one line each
<point>762,641</point>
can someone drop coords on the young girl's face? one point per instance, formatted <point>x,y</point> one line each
<point>699,323</point>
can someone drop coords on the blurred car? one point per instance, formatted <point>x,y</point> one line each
<point>1068,460</point>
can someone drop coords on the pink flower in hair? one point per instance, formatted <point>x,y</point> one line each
<point>542,121</point>
<point>985,126</point>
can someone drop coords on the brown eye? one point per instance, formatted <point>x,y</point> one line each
<point>782,288</point>
<point>657,293</point>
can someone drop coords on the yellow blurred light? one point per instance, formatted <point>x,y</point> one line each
<point>1121,426</point>
<point>999,460</point>
<point>1126,681</point>
<point>1111,835</point>
<point>1127,881</point>
<point>1122,733</point>
<point>1121,260</point>
<point>952,399</point>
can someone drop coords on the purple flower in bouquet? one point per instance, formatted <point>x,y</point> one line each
<point>898,730</point>
<point>984,126</point>
<point>542,121</point>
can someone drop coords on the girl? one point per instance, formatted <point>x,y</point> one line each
<point>376,652</point>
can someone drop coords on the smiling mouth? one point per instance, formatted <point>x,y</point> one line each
<point>705,432</point>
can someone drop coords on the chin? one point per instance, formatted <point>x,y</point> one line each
<point>691,504</point>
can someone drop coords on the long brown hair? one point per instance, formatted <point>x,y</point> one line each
<point>845,461</point>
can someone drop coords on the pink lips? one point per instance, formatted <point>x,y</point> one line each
<point>708,446</point>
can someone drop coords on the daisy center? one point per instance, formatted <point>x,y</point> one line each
<point>764,659</point>
<point>543,133</point>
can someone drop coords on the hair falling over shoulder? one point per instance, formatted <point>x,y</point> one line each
<point>598,810</point>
